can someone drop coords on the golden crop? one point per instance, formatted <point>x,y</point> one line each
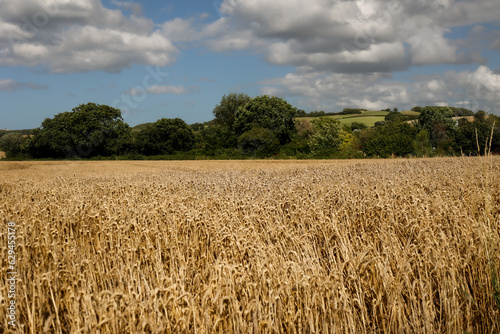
<point>401,246</point>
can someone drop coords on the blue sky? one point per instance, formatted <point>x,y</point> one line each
<point>170,59</point>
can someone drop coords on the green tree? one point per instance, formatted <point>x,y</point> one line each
<point>225,115</point>
<point>438,121</point>
<point>268,112</point>
<point>88,130</point>
<point>258,142</point>
<point>326,137</point>
<point>422,143</point>
<point>480,115</point>
<point>394,116</point>
<point>471,134</point>
<point>358,126</point>
<point>225,111</point>
<point>388,139</point>
<point>164,137</point>
<point>12,143</point>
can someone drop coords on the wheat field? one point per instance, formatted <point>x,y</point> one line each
<point>396,246</point>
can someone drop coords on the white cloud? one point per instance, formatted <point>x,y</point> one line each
<point>475,90</point>
<point>11,85</point>
<point>69,36</point>
<point>351,36</point>
<point>131,6</point>
<point>176,90</point>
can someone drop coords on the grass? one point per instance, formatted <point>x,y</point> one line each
<point>349,119</point>
<point>369,118</point>
<point>401,246</point>
<point>369,121</point>
<point>410,113</point>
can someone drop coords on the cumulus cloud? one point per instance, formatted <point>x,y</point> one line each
<point>479,89</point>
<point>133,7</point>
<point>11,85</point>
<point>69,36</point>
<point>352,36</point>
<point>345,51</point>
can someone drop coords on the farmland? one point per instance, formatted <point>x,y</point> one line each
<point>401,246</point>
<point>368,118</point>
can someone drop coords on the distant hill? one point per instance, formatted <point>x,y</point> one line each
<point>366,117</point>
<point>140,127</point>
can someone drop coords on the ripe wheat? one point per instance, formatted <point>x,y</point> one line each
<point>401,246</point>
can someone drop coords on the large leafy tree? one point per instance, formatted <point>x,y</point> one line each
<point>225,115</point>
<point>388,139</point>
<point>475,136</point>
<point>225,111</point>
<point>395,116</point>
<point>164,137</point>
<point>12,143</point>
<point>86,131</point>
<point>439,123</point>
<point>259,142</point>
<point>326,137</point>
<point>267,112</point>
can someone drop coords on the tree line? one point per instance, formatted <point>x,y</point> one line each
<point>264,126</point>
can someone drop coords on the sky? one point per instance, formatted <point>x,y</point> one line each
<point>155,59</point>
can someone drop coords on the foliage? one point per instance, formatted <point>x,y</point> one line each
<point>471,137</point>
<point>326,136</point>
<point>358,126</point>
<point>197,126</point>
<point>457,112</point>
<point>98,131</point>
<point>88,130</point>
<point>438,121</point>
<point>304,129</point>
<point>422,143</point>
<point>389,139</point>
<point>350,111</point>
<point>380,123</point>
<point>295,150</point>
<point>302,113</point>
<point>225,115</point>
<point>395,116</point>
<point>259,142</point>
<point>12,143</point>
<point>268,112</point>
<point>225,111</point>
<point>164,137</point>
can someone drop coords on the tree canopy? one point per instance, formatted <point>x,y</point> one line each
<point>259,127</point>
<point>391,138</point>
<point>439,123</point>
<point>326,136</point>
<point>164,137</point>
<point>86,131</point>
<point>267,112</point>
<point>259,142</point>
<point>225,111</point>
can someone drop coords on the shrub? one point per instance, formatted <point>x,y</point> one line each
<point>258,142</point>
